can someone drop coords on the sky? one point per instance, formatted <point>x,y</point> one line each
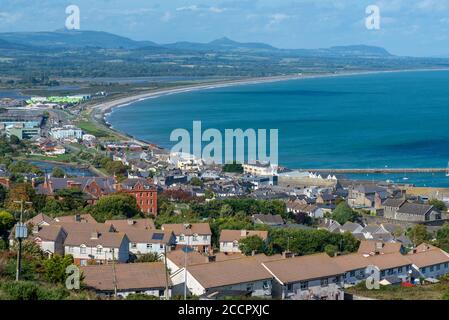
<point>407,27</point>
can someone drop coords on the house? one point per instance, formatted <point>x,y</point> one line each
<point>145,224</point>
<point>93,187</point>
<point>330,225</point>
<point>309,277</point>
<point>144,191</point>
<point>357,267</point>
<point>311,210</point>
<point>143,278</point>
<point>373,230</point>
<point>40,220</point>
<point>149,241</point>
<point>79,218</point>
<point>244,276</point>
<point>376,247</point>
<point>367,196</point>
<point>391,206</point>
<point>417,212</point>
<point>326,198</point>
<point>229,239</point>
<point>259,169</point>
<point>429,261</point>
<point>195,235</point>
<point>268,219</point>
<point>50,238</point>
<point>97,243</point>
<point>351,227</point>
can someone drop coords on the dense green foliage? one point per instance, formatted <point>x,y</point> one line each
<point>343,213</point>
<point>233,167</point>
<point>418,234</point>
<point>252,244</point>
<point>55,267</point>
<point>438,204</point>
<point>114,206</point>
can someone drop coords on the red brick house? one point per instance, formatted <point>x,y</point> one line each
<point>144,191</point>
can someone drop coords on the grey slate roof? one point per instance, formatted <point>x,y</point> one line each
<point>395,203</point>
<point>415,208</point>
<point>268,218</point>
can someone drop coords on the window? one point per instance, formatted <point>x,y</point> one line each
<point>446,265</point>
<point>161,293</point>
<point>83,249</point>
<point>304,285</point>
<point>181,237</point>
<point>83,262</point>
<point>266,285</point>
<point>161,246</point>
<point>133,245</point>
<point>324,282</point>
<point>235,244</point>
<point>400,269</point>
<point>289,287</point>
<point>70,249</point>
<point>424,269</point>
<point>352,274</point>
<point>431,268</point>
<point>438,267</point>
<point>249,287</point>
<point>149,246</point>
<point>382,273</point>
<point>195,237</point>
<point>390,272</point>
<point>99,250</point>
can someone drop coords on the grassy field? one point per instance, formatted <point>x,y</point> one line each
<point>424,292</point>
<point>93,129</point>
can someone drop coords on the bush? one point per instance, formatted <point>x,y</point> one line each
<point>25,290</point>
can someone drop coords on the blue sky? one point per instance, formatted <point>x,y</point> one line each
<point>408,27</point>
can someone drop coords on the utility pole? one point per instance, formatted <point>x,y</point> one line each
<point>21,233</point>
<point>113,270</point>
<point>166,272</point>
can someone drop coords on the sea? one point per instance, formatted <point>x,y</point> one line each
<point>379,120</point>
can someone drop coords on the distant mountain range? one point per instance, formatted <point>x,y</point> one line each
<point>63,39</point>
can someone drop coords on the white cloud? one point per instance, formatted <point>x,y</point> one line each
<point>276,19</point>
<point>202,8</point>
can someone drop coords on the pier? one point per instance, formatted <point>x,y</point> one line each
<point>379,170</point>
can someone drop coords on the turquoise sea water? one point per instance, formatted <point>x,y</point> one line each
<point>376,120</point>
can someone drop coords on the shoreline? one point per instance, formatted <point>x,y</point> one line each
<point>99,111</point>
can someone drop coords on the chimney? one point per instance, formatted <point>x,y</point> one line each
<point>77,217</point>
<point>131,222</point>
<point>253,253</point>
<point>36,229</point>
<point>211,258</point>
<point>187,226</point>
<point>287,254</point>
<point>243,233</point>
<point>94,235</point>
<point>379,245</point>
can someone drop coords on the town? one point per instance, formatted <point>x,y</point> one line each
<point>141,222</point>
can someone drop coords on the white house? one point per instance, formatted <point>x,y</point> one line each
<point>429,261</point>
<point>308,277</point>
<point>229,239</point>
<point>143,278</point>
<point>66,132</point>
<point>195,235</point>
<point>245,276</point>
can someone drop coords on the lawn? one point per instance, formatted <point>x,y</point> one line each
<point>396,292</point>
<point>93,129</point>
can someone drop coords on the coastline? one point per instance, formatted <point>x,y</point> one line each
<point>99,111</point>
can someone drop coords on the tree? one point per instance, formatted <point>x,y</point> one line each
<point>418,234</point>
<point>147,257</point>
<point>343,213</point>
<point>119,205</point>
<point>57,172</point>
<point>6,222</point>
<point>443,237</point>
<point>233,167</point>
<point>438,204</point>
<point>3,195</point>
<point>55,267</point>
<point>71,199</point>
<point>251,244</point>
<point>18,192</point>
<point>331,250</point>
<point>195,181</point>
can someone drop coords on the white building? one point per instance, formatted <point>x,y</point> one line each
<point>198,236</point>
<point>66,132</point>
<point>229,239</point>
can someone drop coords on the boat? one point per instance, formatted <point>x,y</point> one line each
<point>447,170</point>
